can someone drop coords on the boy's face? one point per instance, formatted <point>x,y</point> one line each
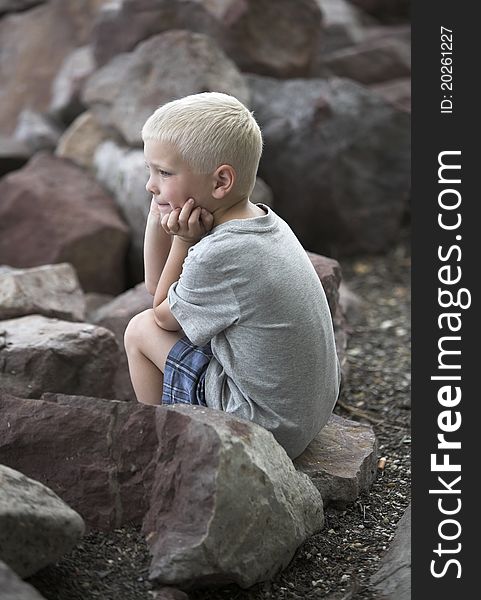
<point>171,181</point>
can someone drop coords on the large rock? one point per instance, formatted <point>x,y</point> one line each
<point>94,453</point>
<point>227,504</point>
<point>260,36</point>
<point>374,60</point>
<point>329,272</point>
<point>342,25</point>
<point>115,316</point>
<point>36,526</point>
<point>337,158</point>
<point>13,588</point>
<point>126,91</point>
<point>341,460</point>
<point>122,171</point>
<point>52,211</point>
<point>37,131</point>
<point>33,45</point>
<point>38,354</point>
<point>65,104</point>
<point>393,579</point>
<point>51,291</point>
<point>81,139</point>
<point>397,92</point>
<point>271,38</point>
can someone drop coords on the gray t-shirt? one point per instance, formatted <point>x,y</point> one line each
<point>249,287</point>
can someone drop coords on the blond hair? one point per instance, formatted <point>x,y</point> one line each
<point>210,129</point>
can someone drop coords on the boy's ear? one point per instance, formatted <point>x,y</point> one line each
<point>224,178</point>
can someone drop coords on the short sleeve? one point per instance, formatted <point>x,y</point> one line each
<point>202,301</point>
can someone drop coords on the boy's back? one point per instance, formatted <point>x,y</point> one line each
<point>250,288</point>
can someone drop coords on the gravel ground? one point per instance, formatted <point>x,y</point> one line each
<point>337,563</point>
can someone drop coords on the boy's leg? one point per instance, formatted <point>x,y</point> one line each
<point>147,347</point>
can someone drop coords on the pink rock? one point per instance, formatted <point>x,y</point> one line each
<point>95,454</point>
<point>52,211</point>
<point>341,461</point>
<point>48,33</point>
<point>227,505</point>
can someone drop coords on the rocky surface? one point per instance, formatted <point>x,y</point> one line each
<point>36,526</point>
<point>40,355</point>
<point>94,453</point>
<point>49,31</point>
<point>341,461</point>
<point>227,505</point>
<point>127,90</point>
<point>49,290</point>
<point>340,560</point>
<point>66,216</point>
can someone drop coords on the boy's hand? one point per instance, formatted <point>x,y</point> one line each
<point>189,224</point>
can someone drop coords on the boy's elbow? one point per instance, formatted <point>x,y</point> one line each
<point>164,318</point>
<point>150,288</point>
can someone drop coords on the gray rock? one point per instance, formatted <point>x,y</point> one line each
<point>13,588</point>
<point>374,60</point>
<point>126,91</point>
<point>393,580</point>
<point>227,505</point>
<point>122,171</point>
<point>50,290</point>
<point>96,454</point>
<point>342,25</point>
<point>346,150</point>
<point>397,92</point>
<point>38,355</point>
<point>65,104</point>
<point>36,527</point>
<point>341,461</point>
<point>93,302</point>
<point>36,131</point>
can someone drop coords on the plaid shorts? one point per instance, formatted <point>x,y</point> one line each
<point>184,374</point>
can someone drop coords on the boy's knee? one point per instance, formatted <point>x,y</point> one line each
<point>137,328</point>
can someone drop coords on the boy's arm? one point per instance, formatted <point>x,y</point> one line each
<point>157,243</point>
<point>170,274</point>
<point>187,225</point>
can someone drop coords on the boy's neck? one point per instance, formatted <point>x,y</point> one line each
<point>244,209</point>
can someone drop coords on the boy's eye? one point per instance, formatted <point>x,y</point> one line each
<point>160,171</point>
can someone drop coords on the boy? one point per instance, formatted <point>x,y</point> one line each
<point>240,321</point>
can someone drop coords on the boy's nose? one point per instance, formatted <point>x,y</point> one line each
<point>151,188</point>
